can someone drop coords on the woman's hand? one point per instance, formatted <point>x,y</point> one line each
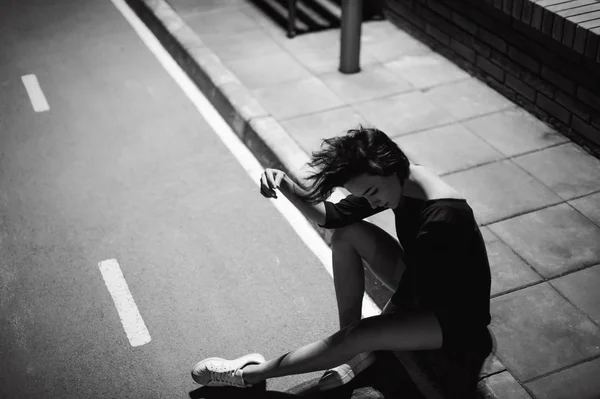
<point>269,181</point>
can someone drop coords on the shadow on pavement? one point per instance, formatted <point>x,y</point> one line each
<point>314,15</point>
<point>386,378</point>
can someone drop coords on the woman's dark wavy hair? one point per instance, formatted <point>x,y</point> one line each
<point>341,158</point>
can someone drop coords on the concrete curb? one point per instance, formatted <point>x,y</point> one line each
<point>257,129</point>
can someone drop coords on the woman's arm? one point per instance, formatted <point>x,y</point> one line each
<point>291,190</point>
<point>325,213</point>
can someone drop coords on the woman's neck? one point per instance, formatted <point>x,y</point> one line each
<point>413,186</point>
<point>423,184</point>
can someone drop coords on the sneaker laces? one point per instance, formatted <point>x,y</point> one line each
<point>227,377</point>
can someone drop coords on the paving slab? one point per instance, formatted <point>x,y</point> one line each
<point>196,7</point>
<point>385,42</point>
<point>376,31</point>
<point>492,365</point>
<point>500,190</point>
<point>582,289</point>
<point>467,98</point>
<point>242,45</point>
<point>264,71</point>
<point>374,81</point>
<point>488,236</point>
<point>538,331</point>
<point>503,386</point>
<point>447,149</point>
<point>225,20</point>
<point>403,113</point>
<point>309,130</point>
<point>580,382</point>
<point>426,70</point>
<point>553,240</point>
<point>509,271</point>
<point>309,96</point>
<point>514,131</point>
<point>566,169</point>
<point>588,206</point>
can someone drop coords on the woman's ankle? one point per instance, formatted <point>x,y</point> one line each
<point>250,375</point>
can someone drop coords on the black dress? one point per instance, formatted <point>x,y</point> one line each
<point>447,272</point>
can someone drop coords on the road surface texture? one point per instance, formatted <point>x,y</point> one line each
<point>122,166</point>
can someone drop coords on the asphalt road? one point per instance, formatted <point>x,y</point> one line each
<point>123,167</point>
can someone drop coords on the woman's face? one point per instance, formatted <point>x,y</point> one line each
<point>380,191</point>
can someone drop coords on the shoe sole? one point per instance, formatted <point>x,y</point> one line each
<point>253,358</point>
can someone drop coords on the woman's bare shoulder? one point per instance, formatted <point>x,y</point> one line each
<point>438,188</point>
<point>447,193</point>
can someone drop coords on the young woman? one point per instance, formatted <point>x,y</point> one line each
<point>438,268</point>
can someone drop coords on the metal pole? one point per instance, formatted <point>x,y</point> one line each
<point>350,36</point>
<point>291,30</point>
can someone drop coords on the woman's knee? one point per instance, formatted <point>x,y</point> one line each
<point>381,252</point>
<point>358,235</point>
<point>344,235</point>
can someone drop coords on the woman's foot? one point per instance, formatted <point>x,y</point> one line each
<point>342,374</point>
<point>217,372</point>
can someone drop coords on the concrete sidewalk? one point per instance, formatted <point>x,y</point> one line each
<point>536,193</point>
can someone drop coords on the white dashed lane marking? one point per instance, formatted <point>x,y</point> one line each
<point>130,316</point>
<point>36,95</point>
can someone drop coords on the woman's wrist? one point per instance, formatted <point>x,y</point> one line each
<point>292,188</point>
<point>288,185</point>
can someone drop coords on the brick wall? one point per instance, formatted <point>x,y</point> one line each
<point>517,50</point>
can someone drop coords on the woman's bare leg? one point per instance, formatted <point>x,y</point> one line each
<point>393,331</point>
<point>351,245</point>
<point>383,254</point>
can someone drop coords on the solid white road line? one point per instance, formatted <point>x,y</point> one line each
<point>36,95</point>
<point>298,222</point>
<point>132,321</point>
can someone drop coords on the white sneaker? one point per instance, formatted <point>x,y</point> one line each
<point>342,374</point>
<point>217,372</point>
